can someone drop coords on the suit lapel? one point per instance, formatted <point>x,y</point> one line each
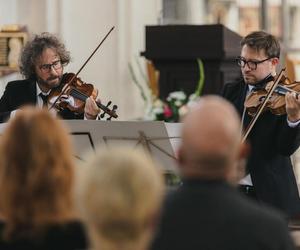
<point>31,95</point>
<point>238,97</point>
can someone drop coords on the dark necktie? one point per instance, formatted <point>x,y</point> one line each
<point>45,99</point>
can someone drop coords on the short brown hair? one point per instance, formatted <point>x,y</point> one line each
<point>261,40</point>
<point>36,172</point>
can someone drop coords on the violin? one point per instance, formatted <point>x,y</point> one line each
<point>276,102</point>
<point>261,101</point>
<point>72,86</point>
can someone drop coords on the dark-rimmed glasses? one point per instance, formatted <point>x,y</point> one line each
<point>46,68</point>
<point>251,64</point>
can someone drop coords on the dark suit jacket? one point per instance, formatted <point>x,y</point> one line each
<point>211,215</point>
<point>23,92</point>
<point>272,142</point>
<point>66,236</point>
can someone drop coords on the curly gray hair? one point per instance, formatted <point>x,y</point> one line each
<point>34,49</point>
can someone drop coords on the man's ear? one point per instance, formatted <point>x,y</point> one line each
<point>235,174</point>
<point>275,61</point>
<point>180,157</point>
<point>245,149</point>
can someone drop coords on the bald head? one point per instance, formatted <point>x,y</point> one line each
<point>211,139</point>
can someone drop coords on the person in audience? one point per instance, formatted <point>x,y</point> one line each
<point>36,183</point>
<point>120,194</point>
<point>269,174</point>
<point>42,63</point>
<point>206,211</point>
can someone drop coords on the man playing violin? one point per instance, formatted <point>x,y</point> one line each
<point>269,173</point>
<point>42,64</point>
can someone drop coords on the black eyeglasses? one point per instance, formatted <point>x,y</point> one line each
<point>46,68</point>
<point>251,64</point>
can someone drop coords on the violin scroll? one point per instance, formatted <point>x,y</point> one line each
<point>107,110</point>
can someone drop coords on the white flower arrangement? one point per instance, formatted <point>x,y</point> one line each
<point>176,105</point>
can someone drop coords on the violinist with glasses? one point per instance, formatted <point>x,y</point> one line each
<point>42,63</point>
<point>269,177</point>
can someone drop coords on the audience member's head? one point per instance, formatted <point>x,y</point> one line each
<point>121,194</point>
<point>211,141</point>
<point>36,172</point>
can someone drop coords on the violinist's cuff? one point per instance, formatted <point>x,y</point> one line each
<point>13,113</point>
<point>293,124</point>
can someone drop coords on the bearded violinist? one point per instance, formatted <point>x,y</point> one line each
<point>269,176</point>
<point>42,64</point>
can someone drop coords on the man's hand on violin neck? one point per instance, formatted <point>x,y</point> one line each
<point>292,101</point>
<point>91,109</point>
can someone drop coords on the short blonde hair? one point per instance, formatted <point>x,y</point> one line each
<point>36,171</point>
<point>121,194</point>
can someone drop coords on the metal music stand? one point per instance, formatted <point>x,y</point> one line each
<point>155,137</point>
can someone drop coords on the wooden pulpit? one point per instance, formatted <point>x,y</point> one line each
<point>174,50</point>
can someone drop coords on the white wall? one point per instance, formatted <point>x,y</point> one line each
<point>7,12</point>
<point>32,13</point>
<point>133,15</point>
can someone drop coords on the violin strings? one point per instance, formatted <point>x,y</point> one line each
<point>81,96</point>
<point>77,94</point>
<point>287,89</point>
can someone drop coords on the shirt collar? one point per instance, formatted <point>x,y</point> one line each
<point>250,87</point>
<point>38,90</point>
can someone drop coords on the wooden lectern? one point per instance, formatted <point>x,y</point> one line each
<point>174,50</point>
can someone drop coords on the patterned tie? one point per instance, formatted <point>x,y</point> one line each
<point>45,99</point>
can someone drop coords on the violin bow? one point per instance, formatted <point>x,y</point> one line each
<point>81,68</point>
<point>262,105</point>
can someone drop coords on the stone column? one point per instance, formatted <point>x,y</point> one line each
<point>184,11</point>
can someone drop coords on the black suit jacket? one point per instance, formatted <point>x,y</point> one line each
<point>23,92</point>
<point>272,143</point>
<point>65,236</point>
<point>211,215</point>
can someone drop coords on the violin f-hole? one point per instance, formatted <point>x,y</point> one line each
<point>262,98</point>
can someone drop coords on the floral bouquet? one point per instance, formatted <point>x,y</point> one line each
<point>175,106</point>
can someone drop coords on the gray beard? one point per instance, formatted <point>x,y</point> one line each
<point>44,84</point>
